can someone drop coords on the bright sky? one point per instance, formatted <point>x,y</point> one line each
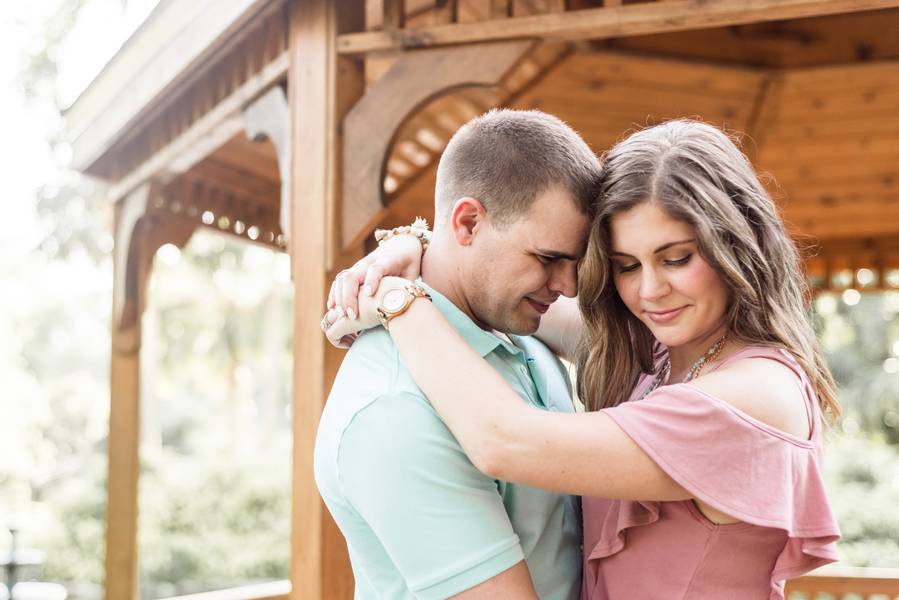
<point>27,159</point>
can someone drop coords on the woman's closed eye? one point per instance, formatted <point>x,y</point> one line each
<point>621,268</point>
<point>679,262</point>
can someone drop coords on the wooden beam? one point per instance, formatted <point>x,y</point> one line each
<point>764,113</point>
<point>321,88</point>
<point>371,126</point>
<point>596,23</point>
<point>268,117</point>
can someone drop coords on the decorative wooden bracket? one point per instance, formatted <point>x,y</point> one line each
<point>371,126</point>
<point>268,117</point>
<point>139,232</point>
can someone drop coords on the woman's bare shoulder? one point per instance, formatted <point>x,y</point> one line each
<point>765,389</point>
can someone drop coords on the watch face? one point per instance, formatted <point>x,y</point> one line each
<point>393,300</point>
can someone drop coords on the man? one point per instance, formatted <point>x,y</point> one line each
<point>512,205</point>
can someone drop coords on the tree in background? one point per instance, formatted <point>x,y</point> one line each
<point>215,455</point>
<point>860,335</point>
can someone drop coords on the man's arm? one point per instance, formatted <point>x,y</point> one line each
<point>441,521</point>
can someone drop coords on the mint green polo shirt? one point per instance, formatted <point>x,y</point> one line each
<point>419,519</point>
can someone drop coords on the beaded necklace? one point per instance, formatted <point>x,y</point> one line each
<point>661,377</point>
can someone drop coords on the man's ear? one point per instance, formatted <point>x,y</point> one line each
<point>467,217</point>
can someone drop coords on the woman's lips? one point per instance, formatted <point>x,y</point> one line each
<point>662,317</point>
<point>538,306</point>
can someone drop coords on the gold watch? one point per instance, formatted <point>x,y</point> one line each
<point>398,300</point>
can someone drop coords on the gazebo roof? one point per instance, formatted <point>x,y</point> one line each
<point>168,48</point>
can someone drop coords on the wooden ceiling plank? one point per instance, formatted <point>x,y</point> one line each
<point>834,130</point>
<point>835,173</point>
<point>594,68</point>
<point>604,22</point>
<point>846,76</point>
<point>226,176</point>
<point>865,145</point>
<point>257,158</point>
<point>839,106</point>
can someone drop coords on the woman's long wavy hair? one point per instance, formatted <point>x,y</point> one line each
<point>696,174</point>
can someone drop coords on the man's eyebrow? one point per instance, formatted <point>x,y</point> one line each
<point>661,248</point>
<point>556,254</point>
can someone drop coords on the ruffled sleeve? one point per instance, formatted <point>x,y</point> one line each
<point>735,464</point>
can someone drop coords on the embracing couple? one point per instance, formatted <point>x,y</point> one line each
<point>450,452</point>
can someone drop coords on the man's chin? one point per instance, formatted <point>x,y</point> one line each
<point>524,326</point>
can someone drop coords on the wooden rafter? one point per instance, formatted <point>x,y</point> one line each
<point>610,21</point>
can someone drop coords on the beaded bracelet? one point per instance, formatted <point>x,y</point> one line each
<point>418,228</point>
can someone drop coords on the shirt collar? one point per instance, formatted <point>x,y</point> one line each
<point>483,342</point>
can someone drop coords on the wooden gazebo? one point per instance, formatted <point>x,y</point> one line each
<point>304,124</point>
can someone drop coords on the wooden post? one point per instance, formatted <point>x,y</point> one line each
<point>124,400</point>
<point>445,11</point>
<point>139,231</point>
<point>394,14</point>
<point>322,86</point>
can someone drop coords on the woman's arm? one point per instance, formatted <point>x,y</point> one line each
<point>581,453</point>
<point>560,327</point>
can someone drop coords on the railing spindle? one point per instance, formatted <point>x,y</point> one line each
<point>446,11</point>
<point>394,14</point>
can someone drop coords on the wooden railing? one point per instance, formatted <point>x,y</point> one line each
<point>273,590</point>
<point>839,583</point>
<point>829,583</point>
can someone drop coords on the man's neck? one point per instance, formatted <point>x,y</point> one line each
<point>439,274</point>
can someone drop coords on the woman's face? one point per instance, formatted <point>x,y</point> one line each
<point>663,279</point>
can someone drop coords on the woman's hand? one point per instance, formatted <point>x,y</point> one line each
<point>343,330</point>
<point>399,256</point>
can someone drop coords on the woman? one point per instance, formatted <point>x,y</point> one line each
<point>699,456</point>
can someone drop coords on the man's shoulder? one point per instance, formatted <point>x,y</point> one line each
<point>372,367</point>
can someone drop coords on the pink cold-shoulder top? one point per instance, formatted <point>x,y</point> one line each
<point>768,479</point>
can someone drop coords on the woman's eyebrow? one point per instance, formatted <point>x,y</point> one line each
<point>661,248</point>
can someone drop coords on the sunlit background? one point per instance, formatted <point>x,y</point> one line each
<point>216,377</point>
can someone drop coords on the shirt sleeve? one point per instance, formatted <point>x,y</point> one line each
<point>738,465</point>
<point>441,521</point>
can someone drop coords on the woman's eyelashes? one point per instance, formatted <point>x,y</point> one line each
<point>679,262</point>
<point>673,262</point>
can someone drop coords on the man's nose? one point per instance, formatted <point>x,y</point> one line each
<point>564,279</point>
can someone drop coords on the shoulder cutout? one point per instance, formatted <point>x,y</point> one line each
<point>764,389</point>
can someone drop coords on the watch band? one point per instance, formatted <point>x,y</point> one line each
<point>390,307</point>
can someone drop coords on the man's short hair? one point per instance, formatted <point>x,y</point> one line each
<point>506,158</point>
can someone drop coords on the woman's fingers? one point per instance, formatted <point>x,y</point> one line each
<point>349,290</point>
<point>373,276</point>
<point>343,332</point>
